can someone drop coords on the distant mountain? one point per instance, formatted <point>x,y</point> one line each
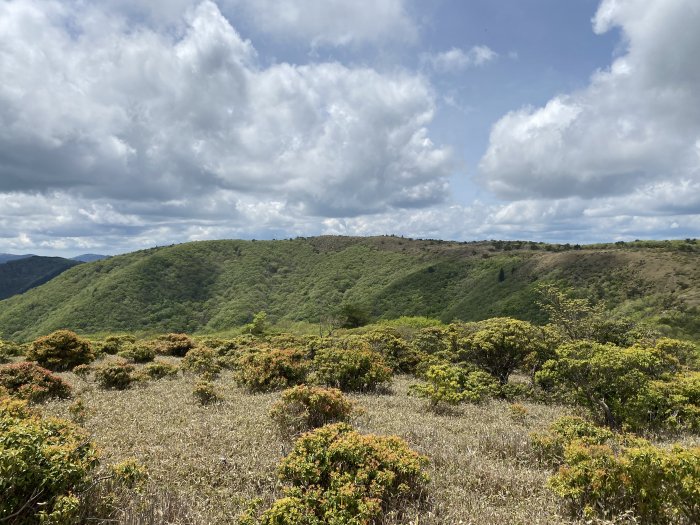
<point>89,257</point>
<point>6,257</point>
<point>19,275</point>
<point>212,286</point>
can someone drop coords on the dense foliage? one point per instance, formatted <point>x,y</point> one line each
<point>306,407</point>
<point>265,369</point>
<point>61,350</point>
<point>336,476</point>
<point>350,369</point>
<point>31,382</point>
<point>44,462</point>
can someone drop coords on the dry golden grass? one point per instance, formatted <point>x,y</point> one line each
<point>205,463</point>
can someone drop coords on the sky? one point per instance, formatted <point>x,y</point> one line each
<point>127,124</point>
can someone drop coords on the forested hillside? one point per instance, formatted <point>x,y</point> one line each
<point>213,286</point>
<point>23,273</point>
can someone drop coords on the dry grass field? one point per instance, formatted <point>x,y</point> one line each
<point>207,463</point>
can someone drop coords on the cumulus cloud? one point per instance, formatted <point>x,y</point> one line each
<point>93,107</point>
<point>456,59</point>
<point>631,137</point>
<point>331,22</point>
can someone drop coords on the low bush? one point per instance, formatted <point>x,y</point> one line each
<point>447,384</point>
<point>335,475</point>
<point>114,344</point>
<point>83,370</point>
<point>265,369</point>
<point>10,349</point>
<point>44,462</point>
<point>118,375</point>
<point>174,344</point>
<point>201,360</point>
<point>357,369</point>
<point>159,370</point>
<point>32,382</point>
<point>398,353</point>
<point>305,407</point>
<point>138,352</point>
<point>61,350</point>
<point>205,393</point>
<point>601,474</point>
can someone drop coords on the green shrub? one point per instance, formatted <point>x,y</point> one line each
<point>138,352</point>
<point>32,382</point>
<point>305,407</point>
<point>159,370</point>
<point>114,344</point>
<point>43,462</point>
<point>265,369</point>
<point>205,392</point>
<point>609,380</point>
<point>450,385</point>
<point>11,349</point>
<point>335,475</point>
<point>350,369</point>
<point>201,360</point>
<point>401,356</point>
<point>501,345</point>
<point>659,486</point>
<point>118,375</point>
<point>83,370</point>
<point>61,350</point>
<point>174,344</point>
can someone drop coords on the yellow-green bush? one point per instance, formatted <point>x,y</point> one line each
<point>305,407</point>
<point>398,353</point>
<point>174,344</point>
<point>337,476</point>
<point>159,370</point>
<point>114,344</point>
<point>447,384</point>
<point>265,369</point>
<point>201,360</point>
<point>604,474</point>
<point>115,374</point>
<point>351,369</point>
<point>61,350</point>
<point>138,352</point>
<point>205,392</point>
<point>44,461</point>
<point>32,382</point>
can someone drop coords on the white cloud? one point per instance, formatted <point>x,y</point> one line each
<point>632,132</point>
<point>456,59</point>
<point>330,22</point>
<point>91,106</point>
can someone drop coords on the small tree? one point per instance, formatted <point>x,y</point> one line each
<point>500,345</point>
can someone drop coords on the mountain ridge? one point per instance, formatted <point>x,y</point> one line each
<point>214,286</point>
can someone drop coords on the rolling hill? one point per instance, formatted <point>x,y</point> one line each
<point>23,273</point>
<point>213,286</point>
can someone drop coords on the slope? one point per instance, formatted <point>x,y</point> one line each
<point>20,275</point>
<point>212,286</point>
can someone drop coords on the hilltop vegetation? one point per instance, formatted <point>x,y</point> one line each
<point>216,286</point>
<point>20,274</point>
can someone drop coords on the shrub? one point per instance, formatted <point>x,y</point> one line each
<point>32,382</point>
<point>174,344</point>
<point>138,352</point>
<point>605,377</point>
<point>114,344</point>
<point>500,345</point>
<point>201,360</point>
<point>450,385</point>
<point>51,454</point>
<point>115,374</point>
<point>82,370</point>
<point>205,392</point>
<point>263,370</point>
<point>351,370</point>
<point>396,351</point>
<point>10,349</point>
<point>159,370</point>
<point>61,350</point>
<point>305,407</point>
<point>338,476</point>
<point>602,474</point>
